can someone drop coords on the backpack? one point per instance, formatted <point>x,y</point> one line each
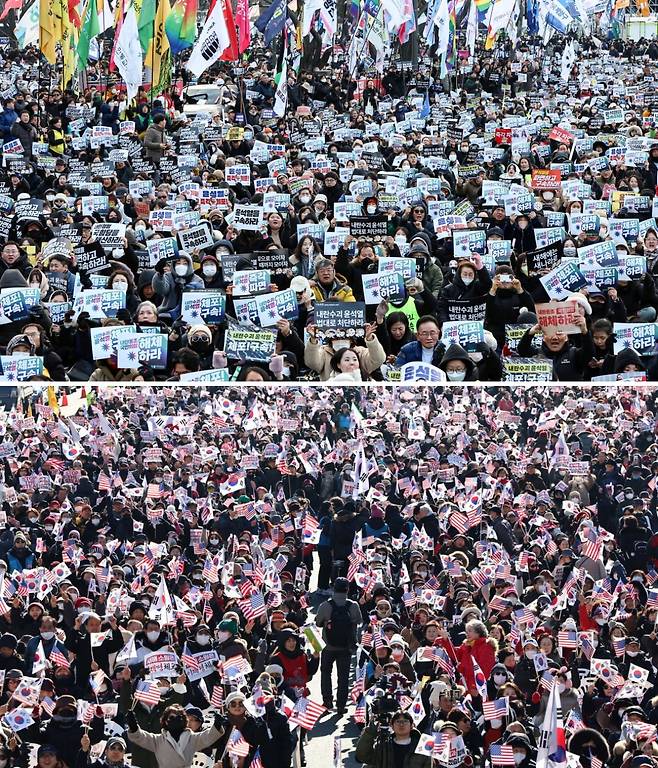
<point>339,628</point>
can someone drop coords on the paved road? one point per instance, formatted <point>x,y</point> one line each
<point>320,748</point>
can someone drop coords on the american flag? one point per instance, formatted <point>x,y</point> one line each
<point>619,645</point>
<point>48,705</point>
<point>155,491</point>
<point>57,658</point>
<point>501,754</point>
<point>652,598</point>
<point>237,745</point>
<point>253,607</point>
<point>217,698</point>
<point>256,762</point>
<point>209,572</point>
<point>442,660</point>
<point>498,603</point>
<point>104,483</point>
<point>189,659</point>
<point>595,762</point>
<point>524,615</point>
<point>574,722</point>
<point>306,713</point>
<point>409,599</point>
<point>495,710</point>
<point>360,711</point>
<point>567,638</point>
<point>147,563</point>
<point>147,692</point>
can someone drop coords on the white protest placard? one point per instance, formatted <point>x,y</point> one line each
<point>104,340</point>
<point>196,238</point>
<point>247,217</point>
<point>162,664</point>
<point>250,282</point>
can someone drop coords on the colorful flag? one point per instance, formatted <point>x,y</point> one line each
<point>147,692</point>
<point>496,709</point>
<point>306,713</point>
<point>480,681</point>
<point>146,24</point>
<point>244,28</point>
<point>501,754</point>
<point>272,21</point>
<point>50,28</point>
<point>57,658</point>
<point>180,25</point>
<point>89,30</point>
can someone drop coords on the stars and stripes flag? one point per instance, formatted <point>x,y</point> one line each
<point>360,711</point>
<point>652,598</point>
<point>253,607</point>
<point>147,692</point>
<point>217,698</point>
<point>501,754</point>
<point>567,638</point>
<point>442,660</point>
<point>256,761</point>
<point>619,646</point>
<point>574,722</point>
<point>311,530</point>
<point>189,659</point>
<point>104,482</point>
<point>496,709</point>
<point>237,745</point>
<point>57,658</point>
<point>306,713</point>
<point>210,569</point>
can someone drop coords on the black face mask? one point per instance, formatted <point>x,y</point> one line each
<point>176,726</point>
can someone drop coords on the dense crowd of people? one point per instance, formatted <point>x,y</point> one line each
<point>479,566</point>
<point>494,224</point>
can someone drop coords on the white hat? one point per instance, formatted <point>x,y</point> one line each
<point>300,284</point>
<point>235,696</point>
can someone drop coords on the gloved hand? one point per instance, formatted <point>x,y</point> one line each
<point>221,722</point>
<point>131,721</point>
<point>39,314</point>
<point>159,267</point>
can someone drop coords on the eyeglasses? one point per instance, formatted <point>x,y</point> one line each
<point>427,334</point>
<point>237,704</point>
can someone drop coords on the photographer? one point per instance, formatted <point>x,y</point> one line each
<point>382,747</point>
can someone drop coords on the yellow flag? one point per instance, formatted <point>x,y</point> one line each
<point>52,400</point>
<point>50,28</point>
<point>158,57</point>
<point>69,44</point>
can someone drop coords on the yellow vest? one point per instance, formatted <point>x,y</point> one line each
<point>410,310</point>
<point>57,147</point>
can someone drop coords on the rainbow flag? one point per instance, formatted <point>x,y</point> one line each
<point>451,53</point>
<point>482,6</point>
<point>180,25</point>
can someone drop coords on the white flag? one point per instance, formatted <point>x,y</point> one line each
<point>281,96</point>
<point>128,54</point>
<point>128,653</point>
<point>162,608</point>
<point>27,29</point>
<point>212,42</point>
<point>568,60</point>
<point>551,751</point>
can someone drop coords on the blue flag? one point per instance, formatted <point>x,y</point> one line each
<point>425,111</point>
<point>272,21</point>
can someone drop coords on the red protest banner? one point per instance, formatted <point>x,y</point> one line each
<point>545,179</point>
<point>503,136</point>
<point>559,316</point>
<point>561,136</point>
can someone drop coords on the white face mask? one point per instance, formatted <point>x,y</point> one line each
<point>500,679</point>
<point>632,654</point>
<point>203,639</point>
<point>223,636</point>
<point>518,758</point>
<point>209,270</point>
<point>456,375</point>
<point>601,622</point>
<point>181,269</point>
<point>47,635</point>
<point>305,199</point>
<point>152,636</point>
<point>371,209</point>
<point>530,654</point>
<point>562,687</point>
<point>467,280</point>
<point>496,723</point>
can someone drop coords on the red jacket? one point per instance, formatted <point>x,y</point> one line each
<point>296,673</point>
<point>483,650</point>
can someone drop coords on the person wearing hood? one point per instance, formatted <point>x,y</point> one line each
<point>505,301</point>
<point>145,289</point>
<point>210,271</point>
<point>200,339</point>
<point>172,278</point>
<point>588,743</point>
<point>432,276</point>
<point>457,365</point>
<point>471,281</point>
<point>64,731</point>
<point>152,639</point>
<point>298,666</point>
<point>122,280</point>
<point>569,361</point>
<point>176,745</point>
<point>20,557</point>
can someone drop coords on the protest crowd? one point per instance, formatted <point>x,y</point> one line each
<point>477,568</point>
<point>295,210</point>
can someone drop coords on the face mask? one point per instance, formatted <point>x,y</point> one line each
<point>203,639</point>
<point>152,636</point>
<point>223,636</point>
<point>601,622</point>
<point>518,758</point>
<point>305,199</point>
<point>562,687</point>
<point>569,251</point>
<point>213,542</point>
<point>456,375</point>
<point>541,588</point>
<point>120,285</point>
<point>47,635</point>
<point>632,654</point>
<point>500,679</point>
<point>496,723</point>
<point>452,157</point>
<point>209,270</point>
<point>371,209</point>
<point>400,240</point>
<point>629,495</point>
<point>530,654</point>
<point>397,654</point>
<point>181,269</point>
<point>95,520</point>
<point>49,528</point>
<point>33,520</point>
<point>467,280</point>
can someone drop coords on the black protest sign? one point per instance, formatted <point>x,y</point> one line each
<point>240,344</point>
<point>28,209</point>
<point>368,226</point>
<point>467,309</point>
<point>275,261</point>
<point>89,258</point>
<point>544,258</point>
<point>340,319</point>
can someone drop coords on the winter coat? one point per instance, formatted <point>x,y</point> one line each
<point>171,287</point>
<point>568,364</point>
<point>153,138</point>
<point>170,753</point>
<point>318,357</point>
<point>458,291</point>
<point>378,752</point>
<point>482,650</point>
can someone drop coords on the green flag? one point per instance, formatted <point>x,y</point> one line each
<point>145,25</point>
<point>88,32</point>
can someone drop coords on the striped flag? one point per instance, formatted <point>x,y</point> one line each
<point>57,658</point>
<point>253,607</point>
<point>237,745</point>
<point>442,660</point>
<point>217,698</point>
<point>256,761</point>
<point>306,713</point>
<point>147,692</point>
<point>567,638</point>
<point>104,483</point>
<point>189,659</point>
<point>496,709</point>
<point>501,754</point>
